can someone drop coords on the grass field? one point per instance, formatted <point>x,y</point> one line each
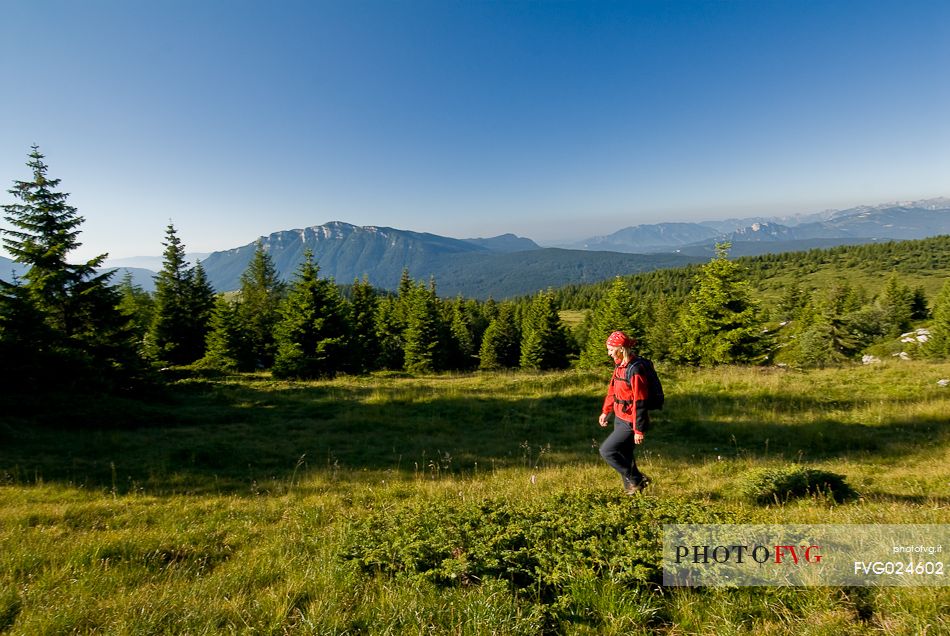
<point>247,505</point>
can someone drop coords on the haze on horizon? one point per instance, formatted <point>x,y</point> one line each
<point>557,121</point>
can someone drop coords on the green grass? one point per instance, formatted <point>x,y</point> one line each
<point>230,505</point>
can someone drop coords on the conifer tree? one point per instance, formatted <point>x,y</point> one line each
<point>615,311</point>
<point>390,334</point>
<point>225,346</point>
<point>897,301</point>
<point>84,336</point>
<point>137,304</point>
<point>424,328</point>
<point>183,304</point>
<point>364,349</point>
<point>661,342</point>
<point>261,294</point>
<point>792,301</point>
<point>719,324</point>
<point>391,322</point>
<point>29,356</point>
<point>45,230</point>
<point>938,345</point>
<point>544,340</point>
<point>918,304</point>
<point>201,301</point>
<point>312,333</point>
<point>501,344</point>
<point>462,352</point>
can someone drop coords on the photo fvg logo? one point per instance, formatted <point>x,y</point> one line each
<point>775,554</point>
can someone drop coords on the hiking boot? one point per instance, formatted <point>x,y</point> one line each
<point>636,487</point>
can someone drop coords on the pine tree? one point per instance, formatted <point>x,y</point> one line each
<point>897,301</point>
<point>261,294</point>
<point>463,351</point>
<point>184,301</point>
<point>390,334</point>
<point>46,230</point>
<point>312,333</point>
<point>424,326</point>
<point>661,337</point>
<point>918,304</point>
<point>616,311</point>
<point>201,301</point>
<point>792,301</point>
<point>137,304</point>
<point>544,340</point>
<point>84,336</point>
<point>938,345</point>
<point>29,356</point>
<point>226,347</point>
<point>719,324</point>
<point>501,344</point>
<point>364,305</point>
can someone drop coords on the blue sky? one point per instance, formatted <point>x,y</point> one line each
<point>553,120</point>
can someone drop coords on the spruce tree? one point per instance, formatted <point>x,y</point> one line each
<point>615,311</point>
<point>938,344</point>
<point>462,351</point>
<point>501,344</point>
<point>364,348</point>
<point>29,355</point>
<point>184,301</point>
<point>201,301</point>
<point>261,294</point>
<point>390,334</point>
<point>659,329</point>
<point>137,304</point>
<point>313,332</point>
<point>226,347</point>
<point>84,336</point>
<point>424,328</point>
<point>719,324</point>
<point>544,340</point>
<point>897,301</point>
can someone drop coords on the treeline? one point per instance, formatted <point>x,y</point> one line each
<point>310,327</point>
<point>67,325</point>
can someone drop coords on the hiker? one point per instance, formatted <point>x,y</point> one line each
<point>627,401</point>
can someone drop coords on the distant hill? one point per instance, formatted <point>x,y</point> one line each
<point>660,237</point>
<point>475,268</point>
<point>505,243</point>
<point>10,269</point>
<point>153,263</point>
<point>865,224</point>
<point>144,278</point>
<point>141,277</point>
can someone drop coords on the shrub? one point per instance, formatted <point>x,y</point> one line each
<point>539,546</point>
<point>777,485</point>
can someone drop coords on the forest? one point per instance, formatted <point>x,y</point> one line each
<point>70,325</point>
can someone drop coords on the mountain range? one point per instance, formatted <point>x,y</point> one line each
<point>509,265</point>
<point>751,236</point>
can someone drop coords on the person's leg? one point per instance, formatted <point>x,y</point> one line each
<point>617,451</point>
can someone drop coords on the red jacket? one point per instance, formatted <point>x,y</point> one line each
<point>628,401</point>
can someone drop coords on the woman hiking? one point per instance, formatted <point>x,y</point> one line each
<point>626,399</point>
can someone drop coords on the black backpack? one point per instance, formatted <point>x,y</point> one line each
<point>645,368</point>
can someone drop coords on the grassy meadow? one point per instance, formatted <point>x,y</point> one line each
<point>448,504</point>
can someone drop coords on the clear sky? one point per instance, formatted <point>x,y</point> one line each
<point>553,120</point>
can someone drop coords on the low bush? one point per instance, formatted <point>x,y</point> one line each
<point>777,485</point>
<point>539,546</point>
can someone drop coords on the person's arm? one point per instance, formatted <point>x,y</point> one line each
<point>608,407</point>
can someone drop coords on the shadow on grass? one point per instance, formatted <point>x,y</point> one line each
<point>790,427</point>
<point>222,436</point>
